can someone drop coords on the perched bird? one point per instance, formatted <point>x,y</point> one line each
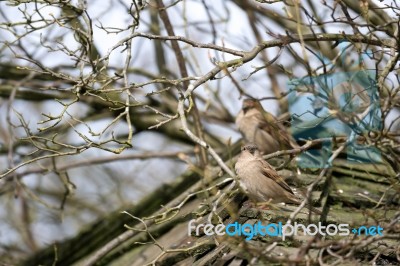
<point>262,128</point>
<point>260,180</point>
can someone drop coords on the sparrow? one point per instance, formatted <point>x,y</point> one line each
<point>262,128</point>
<point>260,181</point>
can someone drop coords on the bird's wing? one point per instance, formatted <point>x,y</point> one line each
<point>271,173</point>
<point>272,126</point>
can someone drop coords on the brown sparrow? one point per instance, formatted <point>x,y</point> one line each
<point>260,181</point>
<point>262,128</point>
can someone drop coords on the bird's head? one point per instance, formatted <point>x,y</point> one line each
<point>251,148</point>
<point>250,104</point>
